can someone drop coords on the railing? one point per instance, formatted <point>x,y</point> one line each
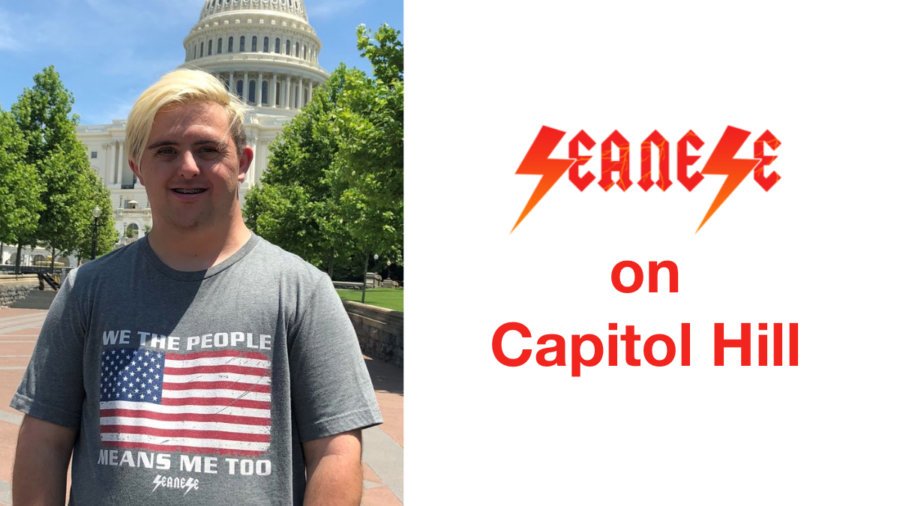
<point>350,285</point>
<point>31,269</point>
<point>45,274</point>
<point>48,278</point>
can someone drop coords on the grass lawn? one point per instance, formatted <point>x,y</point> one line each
<point>390,298</point>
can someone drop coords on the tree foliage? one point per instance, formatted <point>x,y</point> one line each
<point>69,188</point>
<point>20,186</point>
<point>107,236</point>
<point>333,192</point>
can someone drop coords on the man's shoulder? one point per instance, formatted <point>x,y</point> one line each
<point>272,257</point>
<point>117,259</point>
<point>295,279</point>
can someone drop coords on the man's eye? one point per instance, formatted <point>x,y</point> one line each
<point>209,153</point>
<point>166,151</point>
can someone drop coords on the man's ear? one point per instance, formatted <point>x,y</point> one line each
<point>136,170</point>
<point>244,163</point>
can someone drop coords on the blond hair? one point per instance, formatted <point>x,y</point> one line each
<point>179,87</point>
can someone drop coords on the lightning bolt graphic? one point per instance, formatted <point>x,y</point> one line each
<point>722,161</point>
<point>537,161</point>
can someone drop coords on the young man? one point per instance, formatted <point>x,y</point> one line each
<point>201,364</point>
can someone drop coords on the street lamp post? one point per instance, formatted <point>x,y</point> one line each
<point>96,213</point>
<point>366,276</point>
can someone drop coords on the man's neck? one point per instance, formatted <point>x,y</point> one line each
<point>197,250</point>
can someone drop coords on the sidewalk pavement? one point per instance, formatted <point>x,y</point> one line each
<point>382,445</point>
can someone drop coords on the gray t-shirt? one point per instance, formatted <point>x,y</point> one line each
<point>196,387</point>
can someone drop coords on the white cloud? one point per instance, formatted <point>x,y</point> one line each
<point>8,39</point>
<point>134,15</point>
<point>126,62</point>
<point>115,110</point>
<point>30,31</point>
<point>326,9</point>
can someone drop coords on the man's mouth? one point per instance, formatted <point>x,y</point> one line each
<point>188,191</point>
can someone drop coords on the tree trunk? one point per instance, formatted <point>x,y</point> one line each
<point>366,268</point>
<point>19,259</point>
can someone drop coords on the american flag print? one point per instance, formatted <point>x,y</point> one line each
<point>211,402</point>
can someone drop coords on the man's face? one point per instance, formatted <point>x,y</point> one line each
<point>191,168</point>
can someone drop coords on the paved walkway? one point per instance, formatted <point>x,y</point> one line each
<point>382,445</point>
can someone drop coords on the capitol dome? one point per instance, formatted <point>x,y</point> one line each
<point>264,51</point>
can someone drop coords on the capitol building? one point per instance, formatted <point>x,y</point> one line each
<point>263,51</point>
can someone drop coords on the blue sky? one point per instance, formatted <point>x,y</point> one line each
<point>108,51</point>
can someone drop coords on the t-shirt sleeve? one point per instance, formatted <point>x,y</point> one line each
<point>331,388</point>
<point>52,388</point>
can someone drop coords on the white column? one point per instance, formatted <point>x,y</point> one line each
<point>116,165</point>
<point>288,104</point>
<point>291,94</point>
<point>300,86</point>
<point>273,91</point>
<point>125,169</point>
<point>245,92</point>
<point>107,164</point>
<point>278,102</point>
<point>290,84</point>
<point>259,90</point>
<point>231,82</point>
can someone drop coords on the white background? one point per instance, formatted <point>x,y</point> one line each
<point>818,249</point>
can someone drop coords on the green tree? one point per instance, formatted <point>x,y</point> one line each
<point>20,186</point>
<point>385,53</point>
<point>295,207</point>
<point>368,166</point>
<point>43,114</point>
<point>333,192</point>
<point>107,235</point>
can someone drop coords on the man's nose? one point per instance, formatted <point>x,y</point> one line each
<point>188,167</point>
